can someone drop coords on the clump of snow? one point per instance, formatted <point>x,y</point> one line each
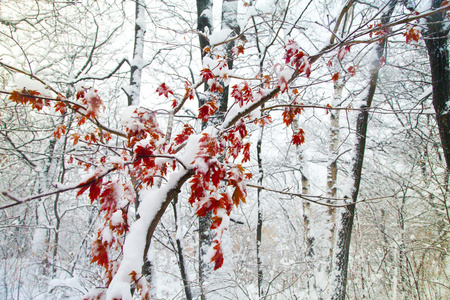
<point>71,282</point>
<point>133,249</point>
<point>220,36</point>
<point>25,82</point>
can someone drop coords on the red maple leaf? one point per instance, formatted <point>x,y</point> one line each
<point>207,110</point>
<point>184,135</point>
<point>298,138</point>
<point>206,74</point>
<point>218,255</point>
<point>246,153</point>
<point>95,189</point>
<point>238,196</point>
<point>238,50</point>
<point>216,221</point>
<point>411,34</point>
<point>109,198</point>
<point>289,114</point>
<point>93,102</point>
<point>335,77</point>
<point>163,89</point>
<point>216,87</point>
<point>237,95</point>
<point>100,253</point>
<point>60,106</point>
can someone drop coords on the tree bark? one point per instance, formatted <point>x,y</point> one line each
<point>204,25</point>
<point>436,40</point>
<point>180,253</point>
<point>259,224</point>
<point>137,64</point>
<point>347,215</point>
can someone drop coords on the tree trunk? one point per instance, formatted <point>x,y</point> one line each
<point>204,25</point>
<point>347,214</point>
<point>436,41</point>
<point>137,64</point>
<point>180,252</point>
<point>259,224</point>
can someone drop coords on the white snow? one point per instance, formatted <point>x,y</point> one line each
<point>22,81</point>
<point>219,36</point>
<point>133,249</point>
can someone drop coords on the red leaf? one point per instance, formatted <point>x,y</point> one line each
<point>100,254</point>
<point>184,135</point>
<point>335,77</point>
<point>163,89</point>
<point>283,84</point>
<point>238,50</point>
<point>109,198</point>
<point>95,189</point>
<point>60,107</point>
<point>246,153</point>
<point>218,256</point>
<point>216,222</point>
<point>411,34</point>
<point>352,70</point>
<point>82,190</point>
<point>206,50</point>
<point>206,74</point>
<point>27,96</point>
<point>237,95</point>
<point>207,110</point>
<point>289,114</point>
<point>216,87</point>
<point>94,104</point>
<point>298,138</point>
<point>198,187</point>
<point>218,173</point>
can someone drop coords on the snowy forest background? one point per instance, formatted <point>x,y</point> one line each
<point>379,65</point>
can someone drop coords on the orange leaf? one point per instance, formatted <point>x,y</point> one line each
<point>238,196</point>
<point>59,131</point>
<point>60,106</point>
<point>75,137</point>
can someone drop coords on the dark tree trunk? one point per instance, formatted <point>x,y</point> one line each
<point>259,225</point>
<point>138,53</point>
<point>436,41</point>
<point>204,25</point>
